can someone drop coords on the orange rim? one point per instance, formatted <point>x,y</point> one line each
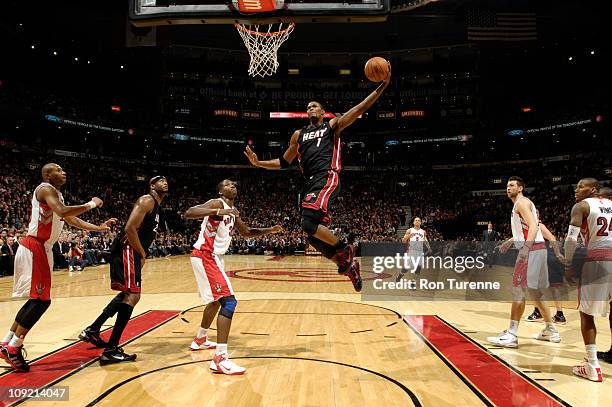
<point>242,28</point>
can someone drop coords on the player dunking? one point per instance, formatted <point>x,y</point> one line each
<point>531,268</point>
<point>591,217</point>
<point>219,218</point>
<point>317,148</point>
<point>415,237</point>
<point>34,258</point>
<point>128,254</point>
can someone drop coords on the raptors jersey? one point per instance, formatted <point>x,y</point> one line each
<point>415,239</point>
<point>216,235</point>
<point>596,229</point>
<point>45,225</point>
<point>520,229</point>
<point>319,149</point>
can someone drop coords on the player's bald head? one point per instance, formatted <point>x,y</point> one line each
<point>47,169</point>
<point>591,182</point>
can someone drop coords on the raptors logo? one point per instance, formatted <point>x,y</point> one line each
<point>218,287</point>
<point>40,288</point>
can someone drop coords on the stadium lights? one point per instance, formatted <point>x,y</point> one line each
<point>592,52</point>
<point>345,71</point>
<point>293,71</point>
<point>570,59</point>
<point>526,109</point>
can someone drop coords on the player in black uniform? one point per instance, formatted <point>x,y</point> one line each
<point>317,147</point>
<point>128,254</point>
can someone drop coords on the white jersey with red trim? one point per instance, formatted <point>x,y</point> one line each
<point>216,235</point>
<point>520,229</point>
<point>596,228</point>
<point>45,225</point>
<point>415,239</point>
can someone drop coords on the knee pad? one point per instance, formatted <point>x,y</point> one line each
<point>228,306</point>
<point>31,312</point>
<point>309,225</point>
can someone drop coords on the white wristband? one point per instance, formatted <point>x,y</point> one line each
<point>91,204</point>
<point>218,212</point>
<point>572,232</point>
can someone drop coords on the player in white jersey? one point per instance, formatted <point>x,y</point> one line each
<point>591,217</point>
<point>415,238</point>
<point>34,258</point>
<point>531,268</point>
<point>219,218</point>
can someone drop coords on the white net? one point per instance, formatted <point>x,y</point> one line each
<point>263,46</point>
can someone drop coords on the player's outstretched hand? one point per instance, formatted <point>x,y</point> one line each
<point>98,201</point>
<point>108,224</point>
<point>250,154</point>
<point>388,78</point>
<point>277,229</point>
<point>231,211</point>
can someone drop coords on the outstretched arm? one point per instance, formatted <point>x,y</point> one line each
<point>277,163</point>
<point>50,196</point>
<point>81,224</point>
<point>247,231</point>
<point>213,208</point>
<point>341,123</point>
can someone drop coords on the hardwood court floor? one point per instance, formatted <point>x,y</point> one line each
<point>306,339</point>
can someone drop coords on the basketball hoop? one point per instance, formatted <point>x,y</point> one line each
<point>263,45</point>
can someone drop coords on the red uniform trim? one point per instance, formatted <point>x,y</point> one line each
<point>41,273</point>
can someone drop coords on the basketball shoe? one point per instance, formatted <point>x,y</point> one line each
<point>345,259</point>
<point>588,371</point>
<point>550,335</point>
<point>93,337</point>
<point>115,355</point>
<point>505,339</point>
<point>202,344</point>
<point>534,316</point>
<point>222,364</point>
<point>355,275</point>
<point>559,319</point>
<point>605,356</point>
<point>15,358</point>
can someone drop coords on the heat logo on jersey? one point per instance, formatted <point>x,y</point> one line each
<point>310,197</point>
<point>313,135</point>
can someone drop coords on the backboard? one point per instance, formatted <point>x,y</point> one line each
<point>166,12</point>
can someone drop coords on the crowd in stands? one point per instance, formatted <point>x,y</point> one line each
<point>369,206</point>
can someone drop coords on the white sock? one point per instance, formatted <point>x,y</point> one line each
<point>513,329</point>
<point>8,336</point>
<point>221,348</point>
<point>591,352</point>
<point>16,342</point>
<point>551,327</point>
<point>201,332</point>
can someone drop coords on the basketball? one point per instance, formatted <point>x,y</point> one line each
<point>376,69</point>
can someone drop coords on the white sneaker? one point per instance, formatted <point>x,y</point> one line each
<point>222,364</point>
<point>548,335</point>
<point>202,344</point>
<point>505,339</point>
<point>588,371</point>
<point>70,268</point>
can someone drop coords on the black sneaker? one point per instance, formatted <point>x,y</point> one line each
<point>534,316</point>
<point>345,259</point>
<point>355,276</point>
<point>400,275</point>
<point>559,319</point>
<point>16,360</point>
<point>115,355</point>
<point>93,337</point>
<point>605,356</point>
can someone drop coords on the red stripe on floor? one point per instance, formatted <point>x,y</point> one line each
<point>49,369</point>
<point>497,382</point>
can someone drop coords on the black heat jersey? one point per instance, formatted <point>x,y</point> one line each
<point>146,232</point>
<point>319,149</point>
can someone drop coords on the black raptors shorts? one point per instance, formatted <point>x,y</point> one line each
<point>125,269</point>
<point>319,193</point>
